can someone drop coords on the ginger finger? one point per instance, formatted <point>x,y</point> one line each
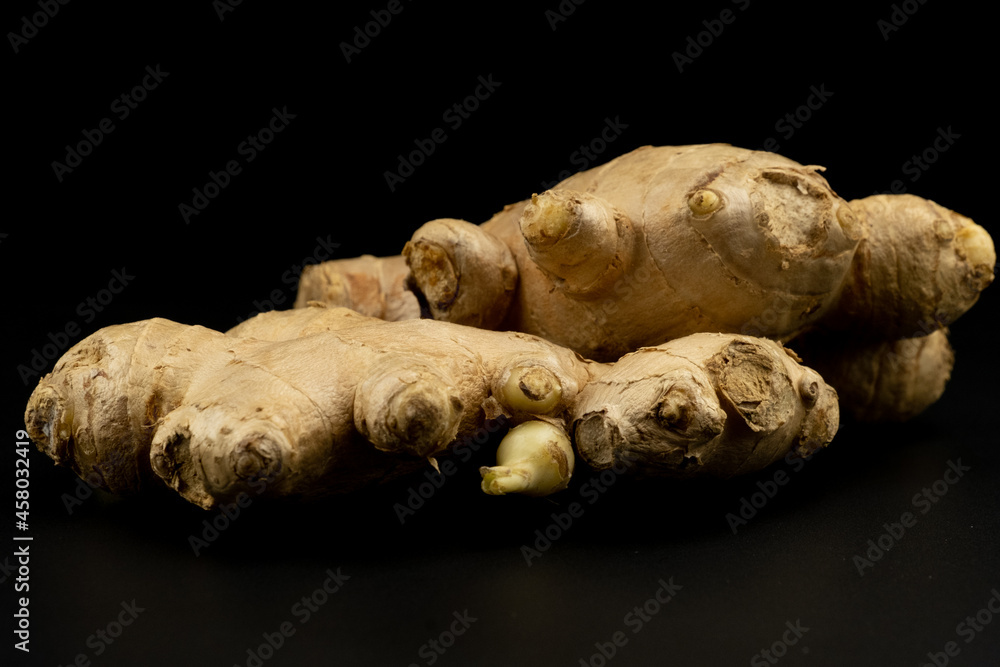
<point>918,269</point>
<point>95,412</point>
<point>583,243</point>
<point>407,406</point>
<point>463,274</point>
<point>266,425</point>
<point>708,404</point>
<point>882,380</point>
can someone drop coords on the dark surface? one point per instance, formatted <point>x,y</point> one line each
<point>322,177</point>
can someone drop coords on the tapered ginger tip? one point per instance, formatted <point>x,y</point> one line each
<point>407,409</point>
<point>975,244</point>
<point>704,202</point>
<point>535,458</point>
<point>256,457</point>
<point>548,220</point>
<point>533,389</point>
<point>682,409</point>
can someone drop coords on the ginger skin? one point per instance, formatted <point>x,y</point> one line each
<point>321,400</point>
<point>372,286</point>
<point>882,380</point>
<point>668,241</point>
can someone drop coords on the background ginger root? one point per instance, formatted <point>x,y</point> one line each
<point>323,400</point>
<point>372,286</point>
<point>882,380</point>
<point>663,242</point>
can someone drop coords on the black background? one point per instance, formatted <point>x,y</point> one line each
<point>890,93</point>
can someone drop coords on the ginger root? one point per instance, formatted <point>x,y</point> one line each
<point>668,241</point>
<point>321,400</point>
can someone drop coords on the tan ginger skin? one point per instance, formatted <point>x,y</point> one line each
<point>322,400</point>
<point>667,241</point>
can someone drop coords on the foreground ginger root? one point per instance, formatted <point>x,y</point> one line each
<point>713,404</point>
<point>332,411</point>
<point>668,241</point>
<point>323,400</point>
